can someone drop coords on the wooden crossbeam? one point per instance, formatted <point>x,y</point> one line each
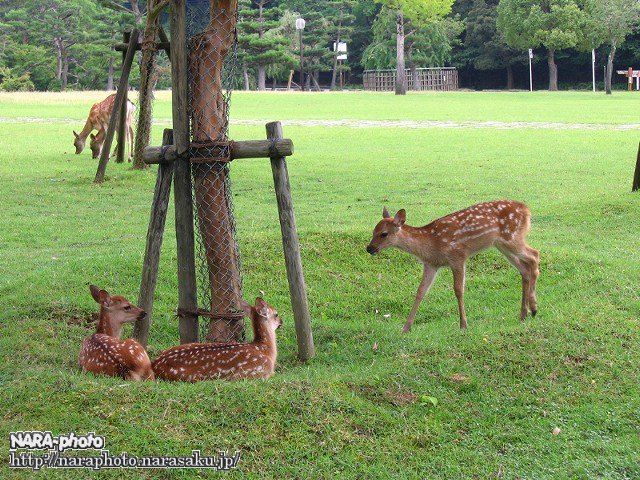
<point>279,147</point>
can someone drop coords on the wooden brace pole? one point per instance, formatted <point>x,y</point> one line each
<point>122,119</point>
<point>120,97</point>
<point>154,243</point>
<point>291,246</point>
<point>242,149</point>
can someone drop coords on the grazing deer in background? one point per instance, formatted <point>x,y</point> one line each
<point>104,352</point>
<point>451,240</point>
<point>99,120</point>
<point>193,362</point>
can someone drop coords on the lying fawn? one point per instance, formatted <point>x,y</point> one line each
<point>450,240</point>
<point>193,362</point>
<point>104,352</point>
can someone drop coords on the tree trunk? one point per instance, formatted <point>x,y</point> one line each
<point>110,75</point>
<point>56,42</point>
<point>148,80</point>
<point>262,77</point>
<point>64,77</point>
<point>401,76</point>
<point>510,82</point>
<point>307,82</point>
<point>553,71</point>
<point>245,76</point>
<point>609,76</point>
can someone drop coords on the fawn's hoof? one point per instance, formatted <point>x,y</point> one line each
<point>533,312</point>
<point>406,329</point>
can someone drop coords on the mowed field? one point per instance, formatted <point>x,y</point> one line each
<point>354,411</point>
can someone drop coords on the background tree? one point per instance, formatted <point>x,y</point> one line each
<point>554,24</point>
<point>485,47</point>
<point>418,12</point>
<point>609,23</point>
<point>260,38</point>
<point>339,28</point>
<point>427,45</point>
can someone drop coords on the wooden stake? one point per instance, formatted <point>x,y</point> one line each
<point>120,97</point>
<point>187,293</point>
<point>154,243</point>
<point>291,246</point>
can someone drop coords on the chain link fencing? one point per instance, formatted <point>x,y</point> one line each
<point>212,43</point>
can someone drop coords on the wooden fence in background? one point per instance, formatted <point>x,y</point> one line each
<point>444,79</point>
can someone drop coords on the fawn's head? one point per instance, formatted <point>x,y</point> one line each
<point>96,146</point>
<point>386,231</point>
<point>263,315</point>
<point>78,142</point>
<point>114,311</point>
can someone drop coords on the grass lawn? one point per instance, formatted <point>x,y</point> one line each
<point>351,412</point>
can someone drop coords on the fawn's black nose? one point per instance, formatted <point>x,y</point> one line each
<point>371,249</point>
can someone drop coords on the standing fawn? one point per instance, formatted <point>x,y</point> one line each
<point>193,362</point>
<point>451,240</point>
<point>104,352</point>
<point>98,119</point>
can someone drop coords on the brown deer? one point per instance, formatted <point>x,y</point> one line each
<point>193,362</point>
<point>104,352</point>
<point>97,141</point>
<point>98,119</point>
<point>451,240</point>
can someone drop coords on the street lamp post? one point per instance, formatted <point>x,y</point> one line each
<point>300,23</point>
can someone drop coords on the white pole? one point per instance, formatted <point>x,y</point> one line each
<point>530,71</point>
<point>593,69</point>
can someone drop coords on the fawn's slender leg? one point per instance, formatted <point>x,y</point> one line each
<point>524,272</point>
<point>428,276</point>
<point>458,286</point>
<point>534,256</point>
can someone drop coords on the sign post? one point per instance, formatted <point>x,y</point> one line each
<point>631,74</point>
<point>530,70</point>
<point>341,49</point>
<point>593,69</point>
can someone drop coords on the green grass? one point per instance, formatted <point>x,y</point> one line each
<point>351,412</point>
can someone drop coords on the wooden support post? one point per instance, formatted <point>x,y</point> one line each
<point>154,243</point>
<point>120,98</point>
<point>636,177</point>
<point>187,293</point>
<point>122,118</point>
<point>293,261</point>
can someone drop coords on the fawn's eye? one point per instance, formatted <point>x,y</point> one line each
<point>384,234</point>
<point>127,307</point>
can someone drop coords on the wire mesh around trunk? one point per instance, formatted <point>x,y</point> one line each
<point>211,30</point>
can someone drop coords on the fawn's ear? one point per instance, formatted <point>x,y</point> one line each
<point>262,307</point>
<point>246,308</point>
<point>100,296</point>
<point>400,218</point>
<point>95,293</point>
<point>385,213</point>
<point>75,134</point>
